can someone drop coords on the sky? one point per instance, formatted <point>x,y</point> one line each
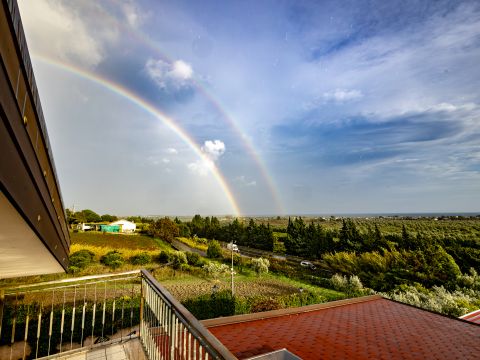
<point>260,107</point>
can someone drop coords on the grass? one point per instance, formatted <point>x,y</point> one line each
<point>193,244</point>
<point>118,241</point>
<point>246,285</point>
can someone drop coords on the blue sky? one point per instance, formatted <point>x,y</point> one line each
<point>352,106</point>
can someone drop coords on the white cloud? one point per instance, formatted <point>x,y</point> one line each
<point>170,76</point>
<point>132,14</point>
<point>165,160</point>
<point>342,95</point>
<point>171,151</point>
<point>214,149</point>
<point>201,167</point>
<point>61,30</point>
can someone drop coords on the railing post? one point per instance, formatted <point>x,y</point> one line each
<point>142,297</point>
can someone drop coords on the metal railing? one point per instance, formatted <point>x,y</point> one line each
<point>51,318</point>
<point>169,331</point>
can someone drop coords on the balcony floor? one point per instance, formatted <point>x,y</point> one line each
<point>129,350</point>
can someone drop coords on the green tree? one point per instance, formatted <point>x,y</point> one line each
<point>108,218</point>
<point>164,229</point>
<point>214,250</point>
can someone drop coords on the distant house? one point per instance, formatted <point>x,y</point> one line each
<point>124,226</point>
<point>84,227</point>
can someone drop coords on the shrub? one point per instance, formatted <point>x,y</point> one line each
<point>455,303</point>
<point>164,257</point>
<point>214,250</point>
<point>141,259</point>
<point>260,265</point>
<point>80,260</point>
<point>265,304</point>
<point>193,258</point>
<point>215,270</point>
<point>471,281</point>
<point>112,259</point>
<point>339,282</point>
<point>211,306</point>
<point>178,259</point>
<point>349,285</point>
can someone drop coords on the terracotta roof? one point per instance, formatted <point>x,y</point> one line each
<point>474,317</point>
<point>362,328</point>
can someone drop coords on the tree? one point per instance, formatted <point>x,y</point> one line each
<point>350,238</point>
<point>214,250</point>
<point>295,240</point>
<point>260,265</point>
<point>164,229</point>
<point>108,218</point>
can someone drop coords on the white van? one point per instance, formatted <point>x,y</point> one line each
<point>232,247</point>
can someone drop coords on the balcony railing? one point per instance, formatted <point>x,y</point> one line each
<point>56,318</point>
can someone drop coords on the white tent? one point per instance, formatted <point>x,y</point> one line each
<point>125,226</point>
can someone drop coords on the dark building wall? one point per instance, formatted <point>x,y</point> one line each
<point>27,172</point>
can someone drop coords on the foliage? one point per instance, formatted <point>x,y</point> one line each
<point>108,218</point>
<point>215,270</point>
<point>260,265</point>
<point>470,280</point>
<point>195,242</point>
<point>80,260</point>
<point>59,311</point>
<point>265,304</point>
<point>214,250</point>
<point>113,259</point>
<point>117,241</point>
<point>164,229</point>
<point>211,306</point>
<point>141,259</point>
<point>84,216</point>
<point>432,266</point>
<point>178,259</point>
<point>164,257</point>
<point>350,285</point>
<point>454,303</point>
<point>193,258</point>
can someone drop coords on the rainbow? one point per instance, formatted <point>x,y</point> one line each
<point>247,143</point>
<point>151,109</point>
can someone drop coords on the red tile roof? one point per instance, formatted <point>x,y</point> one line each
<point>474,317</point>
<point>365,328</point>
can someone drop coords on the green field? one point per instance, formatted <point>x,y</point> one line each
<point>118,241</point>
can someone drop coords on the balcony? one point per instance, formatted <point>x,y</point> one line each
<point>116,316</point>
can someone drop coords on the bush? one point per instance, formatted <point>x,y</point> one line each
<point>178,259</point>
<point>141,259</point>
<point>260,265</point>
<point>215,270</point>
<point>214,250</point>
<point>164,257</point>
<point>112,259</point>
<point>265,304</point>
<point>211,306</point>
<point>193,258</point>
<point>349,285</point>
<point>455,303</point>
<point>80,260</point>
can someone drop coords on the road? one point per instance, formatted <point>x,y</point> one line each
<point>183,247</point>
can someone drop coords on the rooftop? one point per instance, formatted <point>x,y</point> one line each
<point>473,317</point>
<point>368,327</point>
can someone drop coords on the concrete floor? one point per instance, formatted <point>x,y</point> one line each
<point>129,350</point>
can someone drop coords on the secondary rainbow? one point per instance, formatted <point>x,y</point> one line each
<point>151,109</point>
<point>247,143</point>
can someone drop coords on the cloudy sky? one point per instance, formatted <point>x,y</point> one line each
<point>261,107</point>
